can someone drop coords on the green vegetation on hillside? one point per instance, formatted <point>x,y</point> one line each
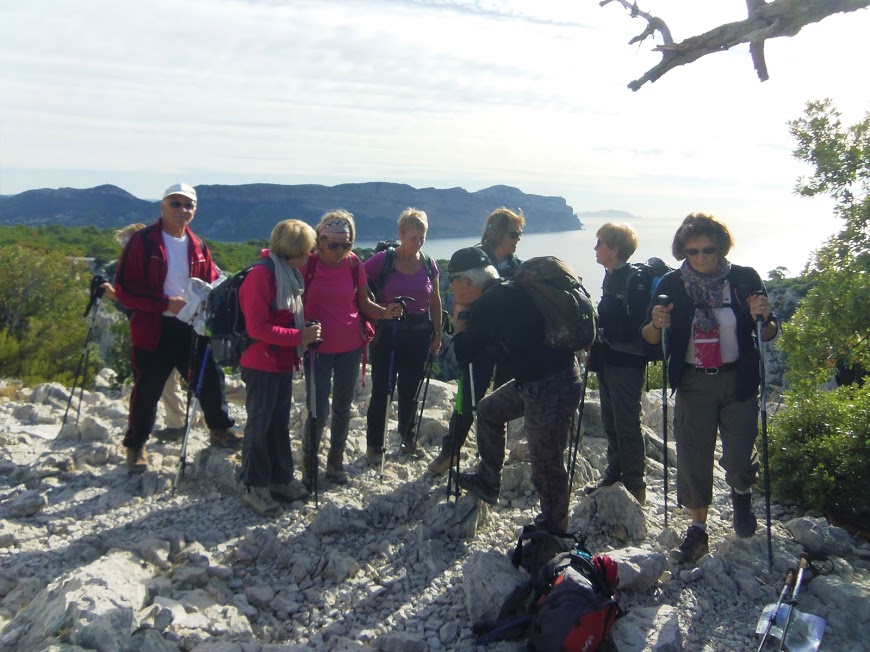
<point>819,442</point>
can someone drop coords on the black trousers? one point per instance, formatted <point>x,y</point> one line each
<point>152,368</point>
<point>412,346</point>
<point>266,454</point>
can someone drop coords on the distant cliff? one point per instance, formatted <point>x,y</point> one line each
<point>248,212</point>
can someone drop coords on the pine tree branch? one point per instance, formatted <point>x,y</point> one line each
<point>765,20</point>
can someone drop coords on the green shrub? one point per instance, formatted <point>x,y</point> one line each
<point>819,450</point>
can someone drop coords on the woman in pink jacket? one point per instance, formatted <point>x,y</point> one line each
<point>271,300</point>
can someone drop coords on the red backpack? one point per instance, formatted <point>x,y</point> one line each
<point>577,607</point>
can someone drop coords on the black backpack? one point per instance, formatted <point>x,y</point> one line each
<point>577,608</point>
<point>646,276</point>
<point>572,604</point>
<point>653,270</point>
<point>225,321</point>
<point>389,246</point>
<point>570,321</point>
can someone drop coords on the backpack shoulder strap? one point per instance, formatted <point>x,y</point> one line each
<point>354,270</point>
<point>389,265</point>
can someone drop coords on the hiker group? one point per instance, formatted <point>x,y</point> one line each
<point>523,332</point>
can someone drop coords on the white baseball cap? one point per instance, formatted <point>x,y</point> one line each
<point>180,189</point>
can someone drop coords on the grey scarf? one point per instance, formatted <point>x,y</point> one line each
<point>289,284</point>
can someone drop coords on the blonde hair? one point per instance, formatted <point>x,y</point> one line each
<point>291,239</point>
<point>621,237</point>
<point>122,236</point>
<point>413,219</point>
<point>340,215</point>
<point>499,223</point>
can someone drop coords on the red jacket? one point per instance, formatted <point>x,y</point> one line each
<point>274,330</point>
<point>140,276</point>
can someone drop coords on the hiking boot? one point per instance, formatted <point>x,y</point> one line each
<point>289,492</point>
<point>260,500</point>
<point>409,448</point>
<point>335,467</point>
<point>743,519</point>
<point>592,487</point>
<point>373,455</point>
<point>224,438</point>
<point>473,483</point>
<point>169,434</point>
<point>137,459</point>
<point>639,494</point>
<point>693,547</point>
<point>439,465</point>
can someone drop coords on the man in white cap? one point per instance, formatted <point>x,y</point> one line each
<point>151,279</point>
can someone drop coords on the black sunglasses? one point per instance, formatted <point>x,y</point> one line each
<point>177,204</point>
<point>344,246</point>
<point>707,251</point>
<point>516,235</point>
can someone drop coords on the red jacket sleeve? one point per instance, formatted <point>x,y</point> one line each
<point>136,280</point>
<point>262,322</point>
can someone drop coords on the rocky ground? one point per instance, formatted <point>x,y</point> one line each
<point>93,558</point>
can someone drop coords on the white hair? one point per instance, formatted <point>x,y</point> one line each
<point>479,276</point>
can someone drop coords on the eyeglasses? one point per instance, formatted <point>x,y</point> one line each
<point>344,246</point>
<point>177,204</point>
<point>515,235</point>
<point>455,277</point>
<point>707,251</point>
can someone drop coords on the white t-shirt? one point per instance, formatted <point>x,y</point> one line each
<point>727,330</point>
<point>178,267</point>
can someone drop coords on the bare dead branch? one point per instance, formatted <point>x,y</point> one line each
<point>765,20</point>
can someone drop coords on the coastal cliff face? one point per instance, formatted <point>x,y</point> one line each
<point>247,212</point>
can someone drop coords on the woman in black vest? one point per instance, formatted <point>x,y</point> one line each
<point>713,364</point>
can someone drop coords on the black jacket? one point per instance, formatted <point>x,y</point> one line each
<point>506,316</point>
<point>744,281</point>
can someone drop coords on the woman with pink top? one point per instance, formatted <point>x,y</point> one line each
<point>336,295</point>
<point>411,274</point>
<point>271,299</point>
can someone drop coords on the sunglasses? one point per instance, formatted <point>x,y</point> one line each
<point>707,251</point>
<point>515,235</point>
<point>344,246</point>
<point>455,277</point>
<point>177,204</point>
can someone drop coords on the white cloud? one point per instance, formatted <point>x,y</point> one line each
<point>432,93</point>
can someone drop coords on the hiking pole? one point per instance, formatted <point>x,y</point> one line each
<point>665,300</point>
<point>759,322</point>
<point>575,444</point>
<point>458,406</point>
<point>312,411</point>
<point>391,379</point>
<point>427,374</point>
<point>96,293</point>
<point>191,408</point>
<point>789,584</point>
<point>793,602</point>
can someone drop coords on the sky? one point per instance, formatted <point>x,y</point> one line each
<point>432,93</point>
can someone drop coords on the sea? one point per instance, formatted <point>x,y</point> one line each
<point>764,247</point>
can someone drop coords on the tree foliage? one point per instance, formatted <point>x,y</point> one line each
<point>832,324</point>
<point>42,298</point>
<point>819,450</point>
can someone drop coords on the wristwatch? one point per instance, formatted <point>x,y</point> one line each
<point>463,314</point>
